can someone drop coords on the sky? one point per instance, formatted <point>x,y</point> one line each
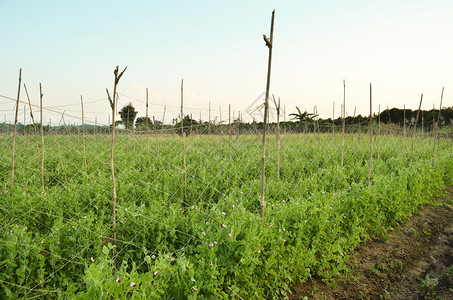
<point>403,48</point>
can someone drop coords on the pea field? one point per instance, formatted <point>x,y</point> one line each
<point>202,237</point>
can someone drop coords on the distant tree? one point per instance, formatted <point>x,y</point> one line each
<point>141,122</point>
<point>117,123</point>
<point>187,122</point>
<point>128,114</point>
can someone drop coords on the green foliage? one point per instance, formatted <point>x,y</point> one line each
<point>128,114</point>
<point>215,246</point>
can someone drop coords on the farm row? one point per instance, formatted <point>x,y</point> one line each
<point>213,244</point>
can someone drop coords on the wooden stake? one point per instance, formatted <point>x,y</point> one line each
<point>25,132</point>
<point>238,131</point>
<point>209,117</point>
<point>284,119</point>
<point>404,128</point>
<point>379,133</point>
<point>451,140</point>
<point>163,115</point>
<point>266,108</point>
<point>112,144</point>
<point>156,134</point>
<point>229,129</point>
<point>415,129</point>
<point>436,126</point>
<point>344,121</point>
<point>277,107</point>
<point>33,120</point>
<point>15,130</point>
<point>371,138</point>
<point>352,133</point>
<point>83,134</point>
<point>147,131</point>
<point>220,120</point>
<point>42,139</point>
<point>333,122</point>
<point>183,141</point>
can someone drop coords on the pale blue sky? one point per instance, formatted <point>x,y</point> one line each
<point>403,48</point>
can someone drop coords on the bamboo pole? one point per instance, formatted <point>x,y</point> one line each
<point>83,134</point>
<point>229,129</point>
<point>371,137</point>
<point>277,107</point>
<point>42,138</point>
<point>379,133</point>
<point>333,122</point>
<point>284,119</point>
<point>344,121</point>
<point>15,130</point>
<point>266,108</point>
<point>451,140</point>
<point>404,128</point>
<point>112,144</point>
<point>147,131</point>
<point>183,141</point>
<point>25,132</point>
<point>436,126</point>
<point>209,118</point>
<point>238,132</point>
<point>352,133</point>
<point>156,134</point>
<point>415,129</point>
<point>220,120</point>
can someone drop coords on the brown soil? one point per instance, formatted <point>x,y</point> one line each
<point>414,262</point>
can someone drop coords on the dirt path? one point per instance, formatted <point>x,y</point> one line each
<point>414,262</point>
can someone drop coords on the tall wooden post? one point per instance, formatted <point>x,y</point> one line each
<point>32,119</point>
<point>229,129</point>
<point>371,138</point>
<point>277,107</point>
<point>147,131</point>
<point>83,135</point>
<point>266,108</point>
<point>344,121</point>
<point>404,128</point>
<point>209,119</point>
<point>436,126</point>
<point>42,139</point>
<point>220,119</point>
<point>415,129</point>
<point>183,141</point>
<point>15,130</point>
<point>112,144</point>
<point>333,122</point>
<point>379,133</point>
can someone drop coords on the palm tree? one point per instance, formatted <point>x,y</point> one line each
<point>303,116</point>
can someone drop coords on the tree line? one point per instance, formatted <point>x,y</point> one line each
<point>299,122</point>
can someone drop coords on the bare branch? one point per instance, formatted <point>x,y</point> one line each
<point>110,98</point>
